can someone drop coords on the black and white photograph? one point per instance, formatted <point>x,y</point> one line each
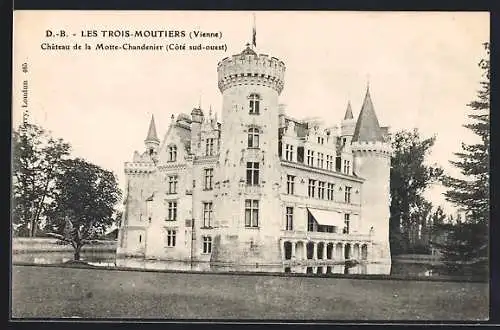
<point>250,165</point>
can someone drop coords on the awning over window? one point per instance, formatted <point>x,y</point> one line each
<point>327,218</point>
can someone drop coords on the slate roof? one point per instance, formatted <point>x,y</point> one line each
<point>348,112</point>
<point>367,126</point>
<point>152,136</point>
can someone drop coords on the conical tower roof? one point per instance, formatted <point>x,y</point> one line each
<point>152,136</point>
<point>367,126</point>
<point>348,113</point>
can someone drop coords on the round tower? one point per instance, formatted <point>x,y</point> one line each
<point>247,179</point>
<point>348,124</point>
<point>372,162</point>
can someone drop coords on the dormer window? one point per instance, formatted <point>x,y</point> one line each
<point>254,101</point>
<point>253,137</point>
<point>172,153</point>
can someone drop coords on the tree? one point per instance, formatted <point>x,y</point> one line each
<point>85,203</point>
<point>409,179</point>
<point>36,161</point>
<point>471,192</point>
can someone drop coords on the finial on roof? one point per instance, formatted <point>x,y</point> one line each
<point>152,136</point>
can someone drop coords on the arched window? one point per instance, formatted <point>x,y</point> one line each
<point>172,153</point>
<point>253,137</point>
<point>254,104</point>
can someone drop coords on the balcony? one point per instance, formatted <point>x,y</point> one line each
<point>326,237</point>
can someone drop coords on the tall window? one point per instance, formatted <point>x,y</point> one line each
<point>209,176</point>
<point>252,173</point>
<point>329,191</point>
<point>347,166</point>
<point>347,194</point>
<point>329,162</point>
<point>310,157</point>
<point>289,152</point>
<point>347,221</point>
<point>321,140</point>
<point>172,153</point>
<point>253,137</point>
<point>311,187</point>
<point>254,104</point>
<point>320,159</point>
<point>172,211</point>
<point>171,235</point>
<point>172,184</point>
<point>321,189</point>
<point>310,223</point>
<point>207,214</point>
<point>251,213</point>
<point>207,244</point>
<point>290,184</point>
<point>289,218</point>
<point>209,147</point>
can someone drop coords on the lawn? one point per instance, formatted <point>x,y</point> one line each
<point>55,292</point>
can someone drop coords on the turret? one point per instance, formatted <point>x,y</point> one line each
<point>372,162</point>
<point>348,123</point>
<point>152,142</point>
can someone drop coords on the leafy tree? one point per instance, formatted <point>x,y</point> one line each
<point>36,162</point>
<point>409,179</point>
<point>471,192</point>
<point>84,205</point>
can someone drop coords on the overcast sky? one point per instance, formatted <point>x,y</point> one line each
<point>422,69</point>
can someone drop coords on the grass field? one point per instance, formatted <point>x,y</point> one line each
<point>60,292</point>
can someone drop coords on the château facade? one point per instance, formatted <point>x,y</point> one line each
<point>260,190</point>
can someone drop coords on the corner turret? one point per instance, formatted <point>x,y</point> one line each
<point>372,162</point>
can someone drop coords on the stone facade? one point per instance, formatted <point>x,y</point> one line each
<point>259,191</point>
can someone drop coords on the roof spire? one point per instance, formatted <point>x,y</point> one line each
<point>367,126</point>
<point>348,113</point>
<point>152,136</point>
<point>254,33</point>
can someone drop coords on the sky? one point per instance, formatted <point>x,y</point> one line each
<point>421,68</point>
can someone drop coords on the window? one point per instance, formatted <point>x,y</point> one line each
<point>289,152</point>
<point>310,157</point>
<point>310,223</point>
<point>347,194</point>
<point>209,147</point>
<point>347,221</point>
<point>172,184</point>
<point>253,137</point>
<point>311,188</point>
<point>207,214</point>
<point>329,162</point>
<point>172,153</point>
<point>172,211</point>
<point>290,184</point>
<point>254,104</point>
<point>321,140</point>
<point>252,173</point>
<point>140,238</point>
<point>207,244</point>
<point>321,189</point>
<point>209,175</point>
<point>171,233</point>
<point>338,163</point>
<point>251,213</point>
<point>320,159</point>
<point>347,166</point>
<point>300,154</point>
<point>329,191</point>
<point>289,218</point>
